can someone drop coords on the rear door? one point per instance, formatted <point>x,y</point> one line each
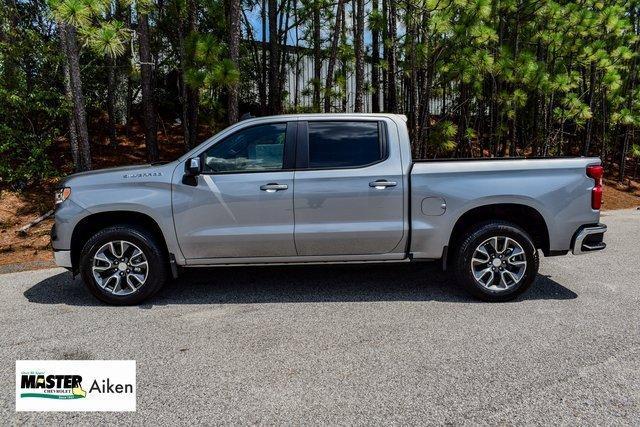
<point>348,197</point>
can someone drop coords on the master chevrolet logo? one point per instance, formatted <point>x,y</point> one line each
<point>52,386</point>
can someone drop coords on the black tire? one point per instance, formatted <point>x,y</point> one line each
<point>157,273</point>
<point>464,251</point>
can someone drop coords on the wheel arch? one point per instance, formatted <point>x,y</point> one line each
<point>93,223</point>
<point>524,216</point>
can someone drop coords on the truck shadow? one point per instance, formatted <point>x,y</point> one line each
<point>289,284</point>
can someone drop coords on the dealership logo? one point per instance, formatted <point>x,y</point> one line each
<point>75,385</point>
<point>52,386</point>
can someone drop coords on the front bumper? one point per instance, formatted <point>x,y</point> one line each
<point>589,239</point>
<point>62,258</point>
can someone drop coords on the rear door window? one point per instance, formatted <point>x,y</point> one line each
<point>343,144</point>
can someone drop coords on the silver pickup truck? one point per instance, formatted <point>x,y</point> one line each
<point>333,188</point>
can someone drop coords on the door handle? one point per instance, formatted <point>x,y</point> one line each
<point>273,187</point>
<point>381,184</point>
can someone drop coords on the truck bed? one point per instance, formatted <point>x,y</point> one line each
<point>444,189</point>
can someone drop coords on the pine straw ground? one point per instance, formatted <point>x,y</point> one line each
<point>19,208</point>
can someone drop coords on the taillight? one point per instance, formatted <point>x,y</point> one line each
<point>596,172</point>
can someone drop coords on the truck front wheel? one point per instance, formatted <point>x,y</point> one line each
<point>497,261</point>
<point>123,265</point>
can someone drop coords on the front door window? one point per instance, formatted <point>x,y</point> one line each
<point>258,148</point>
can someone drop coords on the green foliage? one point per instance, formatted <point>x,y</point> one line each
<point>105,36</point>
<point>209,72</point>
<point>535,66</point>
<point>442,137</point>
<point>224,73</point>
<point>625,117</point>
<point>107,39</point>
<point>32,109</point>
<point>376,20</point>
<point>24,156</point>
<point>77,13</point>
<point>534,76</point>
<point>207,49</point>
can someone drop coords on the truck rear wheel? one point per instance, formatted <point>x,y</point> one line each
<point>496,262</point>
<point>123,265</point>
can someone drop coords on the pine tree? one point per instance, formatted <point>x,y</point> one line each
<point>146,72</point>
<point>234,55</point>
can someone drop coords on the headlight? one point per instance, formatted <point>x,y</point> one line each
<point>62,194</point>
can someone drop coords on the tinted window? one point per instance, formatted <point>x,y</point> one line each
<point>258,148</point>
<point>343,144</point>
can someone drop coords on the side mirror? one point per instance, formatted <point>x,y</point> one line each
<point>192,167</point>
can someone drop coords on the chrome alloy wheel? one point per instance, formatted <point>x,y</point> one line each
<point>498,263</point>
<point>120,267</point>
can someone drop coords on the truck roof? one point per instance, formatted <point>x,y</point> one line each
<point>328,116</point>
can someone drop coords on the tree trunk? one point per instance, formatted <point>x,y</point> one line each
<point>317,55</point>
<point>73,133</point>
<point>623,155</point>
<point>262,90</point>
<point>391,76</point>
<point>296,90</point>
<point>359,51</point>
<point>146,71</point>
<point>333,55</point>
<point>183,84</point>
<point>375,62</point>
<point>111,101</point>
<point>464,144</point>
<point>275,96</point>
<point>343,41</point>
<point>129,81</point>
<point>495,85</point>
<point>516,115</point>
<point>589,130</point>
<point>282,39</point>
<point>425,110</point>
<point>9,63</point>
<point>192,93</point>
<point>121,71</point>
<point>385,55</point>
<point>79,112</point>
<point>412,89</point>
<point>234,54</point>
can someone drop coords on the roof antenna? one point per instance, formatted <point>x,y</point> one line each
<point>246,116</point>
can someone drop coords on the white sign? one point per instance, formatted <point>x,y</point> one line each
<point>75,385</point>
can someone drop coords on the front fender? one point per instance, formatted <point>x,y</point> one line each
<point>154,203</point>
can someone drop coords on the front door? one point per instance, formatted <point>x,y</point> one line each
<point>241,206</point>
<point>348,189</point>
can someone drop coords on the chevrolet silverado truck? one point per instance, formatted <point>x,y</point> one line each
<point>331,188</point>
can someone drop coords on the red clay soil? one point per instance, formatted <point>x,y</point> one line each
<point>19,208</point>
<point>621,196</point>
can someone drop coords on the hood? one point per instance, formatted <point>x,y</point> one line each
<point>124,174</point>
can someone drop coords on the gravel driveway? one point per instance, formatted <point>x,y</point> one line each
<point>350,344</point>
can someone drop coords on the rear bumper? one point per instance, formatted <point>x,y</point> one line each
<point>62,258</point>
<point>589,238</point>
